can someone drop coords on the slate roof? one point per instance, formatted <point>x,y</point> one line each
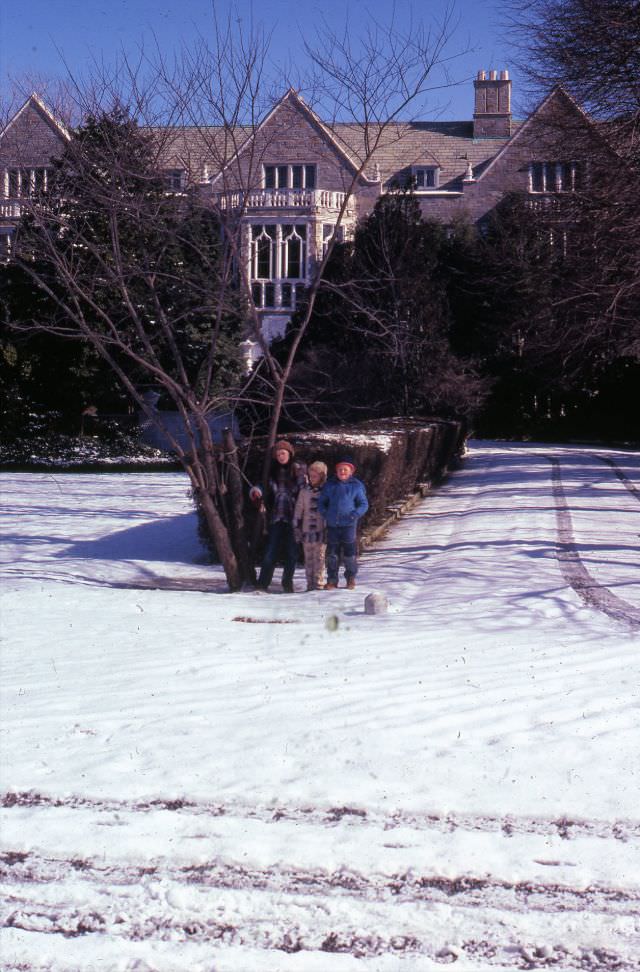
<point>198,148</point>
<point>445,144</point>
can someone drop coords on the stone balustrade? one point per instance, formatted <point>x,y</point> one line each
<point>10,209</point>
<point>296,199</point>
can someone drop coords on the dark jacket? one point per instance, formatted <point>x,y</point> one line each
<point>284,484</point>
<point>343,503</point>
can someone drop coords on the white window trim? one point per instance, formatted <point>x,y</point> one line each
<point>278,260</point>
<point>24,174</point>
<point>289,167</point>
<point>177,175</point>
<point>6,245</point>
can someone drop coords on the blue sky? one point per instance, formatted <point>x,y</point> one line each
<point>36,35</point>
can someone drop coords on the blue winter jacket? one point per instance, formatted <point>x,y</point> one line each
<point>343,503</point>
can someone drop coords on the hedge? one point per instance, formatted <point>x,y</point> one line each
<point>394,457</point>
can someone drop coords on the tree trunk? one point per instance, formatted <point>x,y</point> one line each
<point>238,528</point>
<point>221,538</point>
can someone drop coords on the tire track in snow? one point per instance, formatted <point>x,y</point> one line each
<point>493,952</point>
<point>568,829</point>
<point>467,891</point>
<point>316,921</point>
<point>593,594</point>
<point>622,476</point>
<point>297,908</point>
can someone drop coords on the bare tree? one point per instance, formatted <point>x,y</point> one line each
<point>141,276</point>
<point>591,49</point>
<point>367,87</point>
<point>157,281</point>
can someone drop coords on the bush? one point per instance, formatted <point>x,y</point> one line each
<point>393,456</point>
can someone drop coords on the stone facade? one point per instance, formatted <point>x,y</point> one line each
<point>28,143</point>
<point>292,179</point>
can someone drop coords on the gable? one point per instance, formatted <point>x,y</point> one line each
<point>290,134</point>
<point>32,137</point>
<point>557,128</point>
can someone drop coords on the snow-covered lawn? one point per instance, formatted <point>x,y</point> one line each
<point>252,783</point>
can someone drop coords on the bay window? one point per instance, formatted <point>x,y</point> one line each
<point>278,262</point>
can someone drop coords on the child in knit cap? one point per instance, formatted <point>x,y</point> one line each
<point>342,502</point>
<point>309,526</point>
<point>286,478</point>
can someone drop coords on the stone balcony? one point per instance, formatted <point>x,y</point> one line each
<point>10,209</point>
<point>307,201</point>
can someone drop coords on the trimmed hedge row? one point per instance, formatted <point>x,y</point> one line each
<point>393,456</point>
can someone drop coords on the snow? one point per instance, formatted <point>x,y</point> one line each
<point>198,780</point>
<point>351,440</point>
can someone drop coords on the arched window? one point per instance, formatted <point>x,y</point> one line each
<point>294,240</point>
<point>262,255</point>
<point>278,263</point>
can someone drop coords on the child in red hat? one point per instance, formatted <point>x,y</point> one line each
<point>342,502</point>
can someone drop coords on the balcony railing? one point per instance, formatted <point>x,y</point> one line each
<point>10,209</point>
<point>300,199</point>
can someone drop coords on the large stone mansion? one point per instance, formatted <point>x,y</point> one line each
<point>294,176</point>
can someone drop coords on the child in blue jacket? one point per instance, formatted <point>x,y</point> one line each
<point>342,501</point>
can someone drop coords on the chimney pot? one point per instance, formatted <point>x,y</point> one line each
<point>492,112</point>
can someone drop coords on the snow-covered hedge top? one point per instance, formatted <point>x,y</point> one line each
<point>382,442</point>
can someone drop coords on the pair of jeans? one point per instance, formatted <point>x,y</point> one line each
<point>341,541</point>
<point>280,539</point>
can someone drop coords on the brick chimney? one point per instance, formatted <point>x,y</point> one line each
<point>492,114</point>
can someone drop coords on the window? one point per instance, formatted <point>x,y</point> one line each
<point>425,177</point>
<point>327,233</point>
<point>6,243</point>
<point>278,263</point>
<point>293,252</point>
<point>174,179</point>
<point>290,176</point>
<point>555,176</point>
<point>40,180</point>
<point>263,252</point>
<point>26,182</point>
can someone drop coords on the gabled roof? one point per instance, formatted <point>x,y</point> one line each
<point>557,92</point>
<point>292,97</point>
<point>34,101</point>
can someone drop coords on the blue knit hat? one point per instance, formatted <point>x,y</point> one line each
<point>346,461</point>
